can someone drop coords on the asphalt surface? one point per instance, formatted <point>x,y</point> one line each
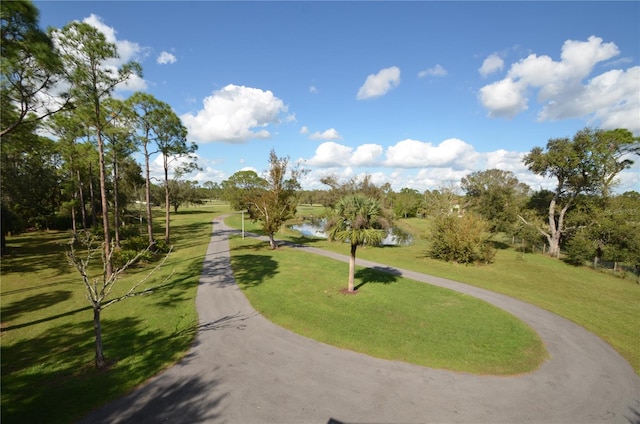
<point>244,369</point>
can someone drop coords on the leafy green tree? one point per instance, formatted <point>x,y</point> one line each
<point>587,163</point>
<point>30,67</point>
<point>443,201</point>
<point>30,181</point>
<point>121,144</point>
<point>278,201</point>
<point>172,144</point>
<point>604,230</point>
<point>463,239</point>
<point>364,186</point>
<point>406,202</point>
<point>612,152</point>
<point>497,196</point>
<point>240,188</point>
<point>150,114</point>
<point>85,52</point>
<point>359,220</point>
<point>68,133</point>
<point>214,190</point>
<point>184,192</point>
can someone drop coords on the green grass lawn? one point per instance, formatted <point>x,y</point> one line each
<point>47,330</point>
<point>47,347</point>
<point>391,317</point>
<point>606,305</point>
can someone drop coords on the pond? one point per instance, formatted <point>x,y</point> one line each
<point>315,228</point>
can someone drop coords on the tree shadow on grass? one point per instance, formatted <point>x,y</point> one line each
<point>13,310</point>
<point>51,377</point>
<point>376,275</point>
<point>253,270</point>
<point>37,251</point>
<point>182,233</point>
<point>174,290</point>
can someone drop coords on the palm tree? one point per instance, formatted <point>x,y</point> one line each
<point>359,220</point>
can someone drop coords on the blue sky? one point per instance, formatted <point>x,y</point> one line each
<point>417,94</point>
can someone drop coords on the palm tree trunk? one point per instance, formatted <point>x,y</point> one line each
<point>352,267</point>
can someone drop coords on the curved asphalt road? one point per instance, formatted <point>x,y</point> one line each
<point>244,369</point>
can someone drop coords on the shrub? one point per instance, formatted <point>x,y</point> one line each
<point>161,247</point>
<point>121,257</point>
<point>579,249</point>
<point>462,239</point>
<point>136,243</point>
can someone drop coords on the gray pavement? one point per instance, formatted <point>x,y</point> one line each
<point>244,369</point>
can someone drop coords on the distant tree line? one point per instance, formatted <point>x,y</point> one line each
<point>84,176</point>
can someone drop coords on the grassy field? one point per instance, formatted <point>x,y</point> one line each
<point>605,305</point>
<point>47,334</point>
<point>47,330</point>
<point>390,318</point>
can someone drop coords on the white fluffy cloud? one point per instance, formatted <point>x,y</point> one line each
<point>331,154</point>
<point>166,58</point>
<point>127,51</point>
<point>330,134</point>
<point>436,71</point>
<point>235,114</point>
<point>416,164</point>
<point>379,84</point>
<point>415,154</point>
<point>493,63</point>
<point>611,98</point>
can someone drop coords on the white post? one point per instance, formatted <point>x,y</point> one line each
<point>242,225</point>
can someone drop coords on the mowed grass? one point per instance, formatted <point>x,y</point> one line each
<point>390,317</point>
<point>606,305</point>
<point>48,373</point>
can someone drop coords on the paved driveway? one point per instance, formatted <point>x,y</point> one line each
<point>244,369</point>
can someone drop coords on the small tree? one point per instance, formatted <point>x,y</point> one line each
<point>462,239</point>
<point>241,188</point>
<point>278,202</point>
<point>99,288</point>
<point>358,219</point>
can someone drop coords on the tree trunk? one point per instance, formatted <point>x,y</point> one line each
<point>167,207</point>
<point>116,204</point>
<point>97,327</point>
<point>147,195</point>
<point>74,228</point>
<point>352,267</point>
<point>272,242</point>
<point>554,234</point>
<point>94,218</point>
<point>81,196</point>
<point>105,205</point>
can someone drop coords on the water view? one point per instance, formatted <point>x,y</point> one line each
<point>315,228</point>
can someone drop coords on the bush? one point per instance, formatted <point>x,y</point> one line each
<point>161,247</point>
<point>136,243</point>
<point>579,249</point>
<point>121,257</point>
<point>461,239</point>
